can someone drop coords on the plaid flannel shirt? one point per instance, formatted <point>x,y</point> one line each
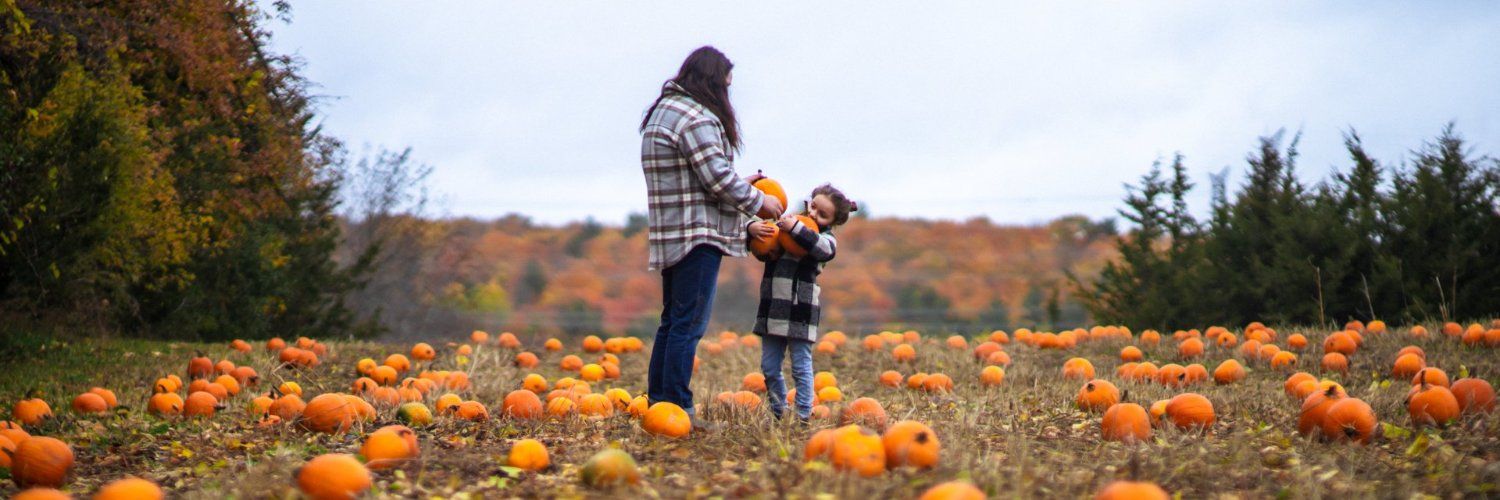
<point>789,287</point>
<point>694,195</point>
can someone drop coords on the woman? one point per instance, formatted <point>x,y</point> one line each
<point>698,209</point>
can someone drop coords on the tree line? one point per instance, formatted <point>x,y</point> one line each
<point>162,173</point>
<point>1414,241</point>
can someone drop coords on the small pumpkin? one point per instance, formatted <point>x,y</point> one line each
<point>333,476</point>
<point>389,447</point>
<point>1078,368</point>
<point>990,376</point>
<point>422,351</point>
<point>890,378</point>
<point>472,411</point>
<point>1430,375</point>
<point>1340,342</point>
<point>571,363</point>
<point>1126,422</point>
<point>1407,365</point>
<point>1335,362</point>
<point>200,367</point>
<point>527,359</point>
<point>904,353</point>
<point>131,488</point>
<point>200,404</point>
<point>1229,372</point>
<point>596,405</point>
<point>936,382</point>
<point>1315,408</point>
<point>415,414</point>
<point>1190,348</point>
<point>864,411</point>
<point>953,490</point>
<point>529,455</point>
<point>1131,353</point>
<point>1097,395</point>
<point>1131,490</point>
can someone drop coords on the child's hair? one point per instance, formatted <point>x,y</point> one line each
<point>842,205</point>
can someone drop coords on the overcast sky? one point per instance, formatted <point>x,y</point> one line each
<point>1021,112</point>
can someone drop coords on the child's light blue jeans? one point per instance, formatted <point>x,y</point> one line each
<point>772,350</point>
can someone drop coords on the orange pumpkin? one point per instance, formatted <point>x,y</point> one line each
<point>904,353</point>
<point>916,380</point>
<point>982,351</point>
<point>1126,422</point>
<point>423,352</point>
<point>200,367</point>
<point>990,376</point>
<point>165,404</point>
<point>1349,419</point>
<point>1341,343</point>
<point>858,450</point>
<point>328,413</point>
<point>1078,368</point>
<point>1430,405</point>
<point>275,344</point>
<point>1407,365</point>
<point>571,363</point>
<point>130,488</point>
<point>1283,360</point>
<point>200,404</point>
<point>41,461</point>
<point>953,490</point>
<point>89,403</point>
<point>288,407</point>
<point>1097,395</point>
<point>399,362</point>
<point>789,245</point>
<point>1130,490</point>
<point>1474,395</point>
<point>333,476</point>
<point>528,454</point>
<point>773,189</point>
<point>1190,348</point>
<point>508,340</point>
<point>1315,408</point>
<point>593,343</point>
<point>389,447</point>
<point>864,411</point>
<point>472,411</point>
<point>936,382</point>
<point>596,405</point>
<point>666,419</point>
<point>1430,375</point>
<point>1131,353</point>
<point>890,378</point>
<point>1171,375</point>
<point>1335,362</point>
<point>1296,342</point>
<point>1190,410</point>
<point>31,411</point>
<point>1229,372</point>
<point>913,443</point>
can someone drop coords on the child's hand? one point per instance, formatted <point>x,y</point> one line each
<point>761,230</point>
<point>787,222</point>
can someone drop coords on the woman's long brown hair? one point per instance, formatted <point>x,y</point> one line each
<point>704,76</point>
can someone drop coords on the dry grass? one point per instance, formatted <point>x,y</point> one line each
<point>1023,439</point>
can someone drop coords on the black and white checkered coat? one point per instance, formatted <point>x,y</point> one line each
<point>789,287</point>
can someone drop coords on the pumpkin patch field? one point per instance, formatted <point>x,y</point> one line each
<point>1254,412</point>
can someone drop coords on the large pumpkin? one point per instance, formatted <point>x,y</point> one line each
<point>1189,411</point>
<point>1097,395</point>
<point>41,461</point>
<point>667,419</point>
<point>1474,395</point>
<point>1126,422</point>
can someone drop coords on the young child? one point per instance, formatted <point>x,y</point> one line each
<point>788,316</point>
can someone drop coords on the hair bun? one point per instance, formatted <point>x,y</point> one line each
<point>853,206</point>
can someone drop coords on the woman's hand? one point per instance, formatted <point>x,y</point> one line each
<point>753,178</point>
<point>762,230</point>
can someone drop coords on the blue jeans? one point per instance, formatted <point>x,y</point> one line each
<point>772,350</point>
<point>687,294</point>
